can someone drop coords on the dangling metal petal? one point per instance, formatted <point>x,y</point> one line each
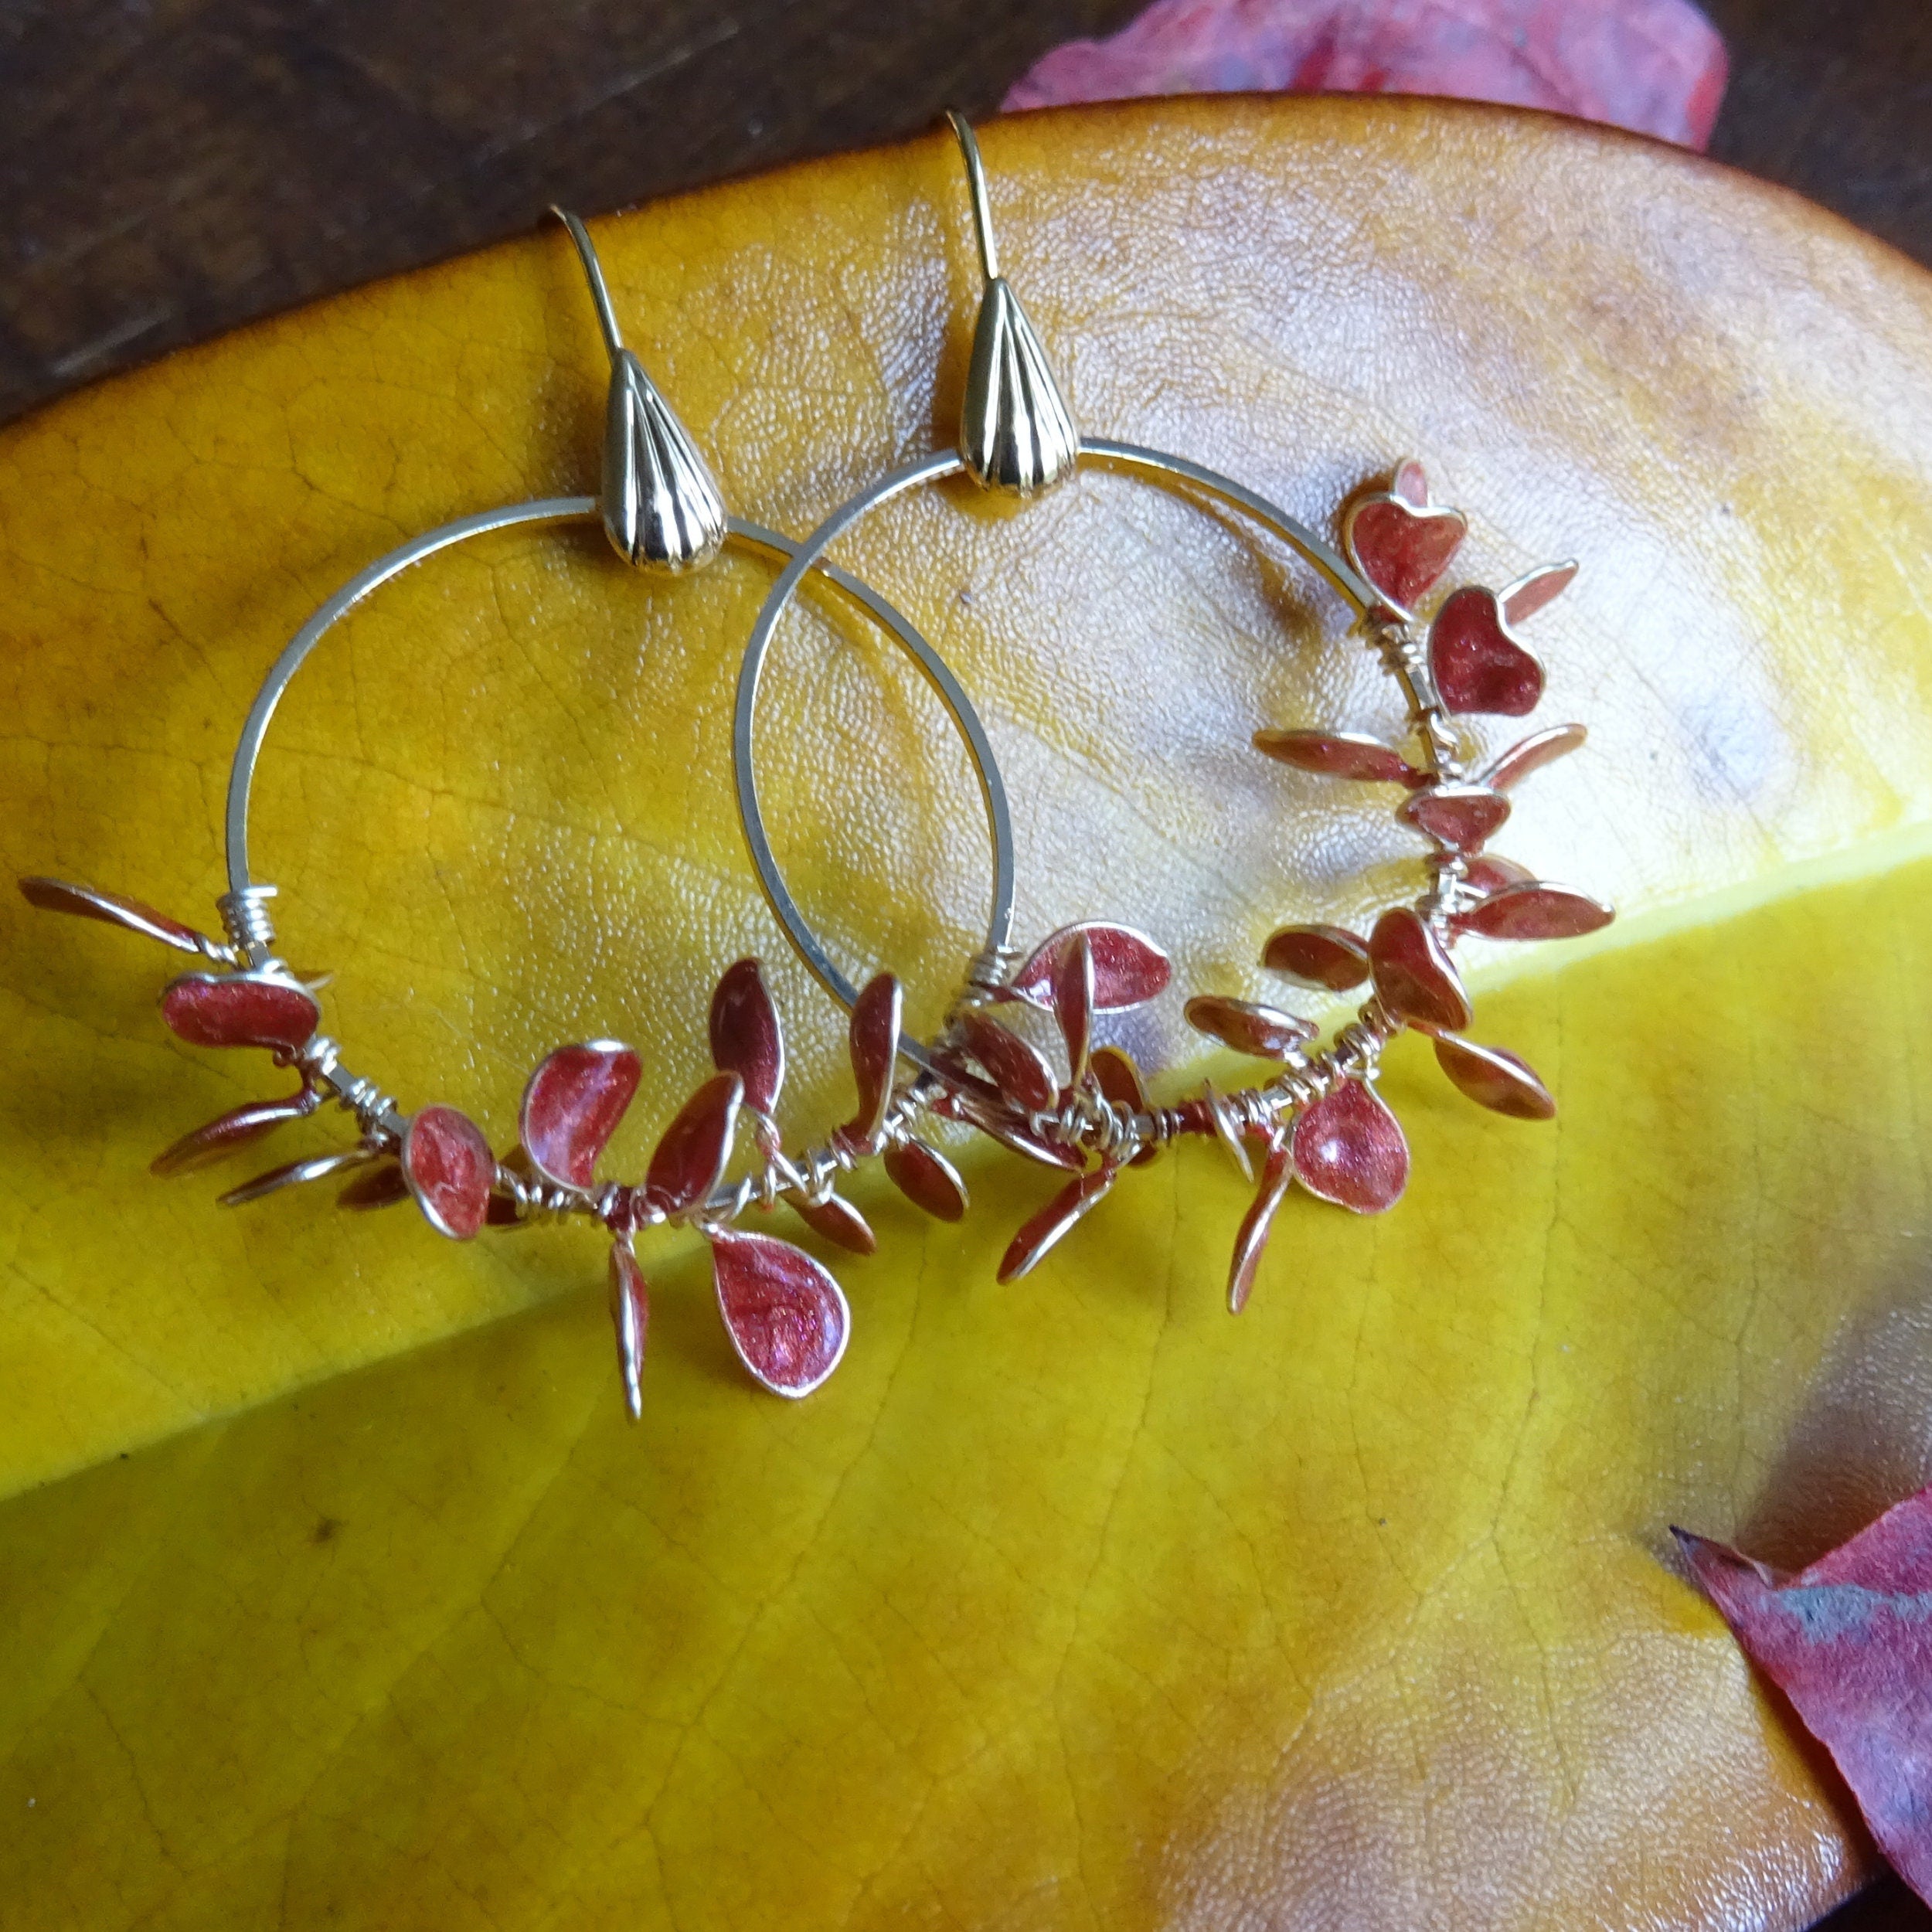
<point>1540,748</point>
<point>786,1315</point>
<point>1536,910</point>
<point>1348,1148</point>
<point>236,1128</point>
<point>58,896</point>
<point>380,1186</point>
<point>1494,1078</point>
<point>630,1316</point>
<point>1129,969</point>
<point>449,1169</point>
<point>1277,1174</point>
<point>746,1037</point>
<point>876,1017</point>
<point>1325,957</point>
<point>572,1105</point>
<point>689,1161</point>
<point>1248,1027</point>
<point>662,509</point>
<point>838,1220</point>
<point>1415,978</point>
<point>1072,1203</point>
<point>1074,994</point>
<point>926,1179</point>
<point>1016,1068</point>
<point>317,1167</point>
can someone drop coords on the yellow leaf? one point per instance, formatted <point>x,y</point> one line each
<point>330,1598</point>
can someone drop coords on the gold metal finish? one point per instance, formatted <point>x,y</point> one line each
<point>1016,431</point>
<point>662,507</point>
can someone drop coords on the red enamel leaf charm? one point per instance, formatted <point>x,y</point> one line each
<point>1539,749</point>
<point>836,1220</point>
<point>875,1020</point>
<point>313,1167</point>
<point>786,1315</point>
<point>380,1186</point>
<point>241,1009</point>
<point>1263,1031</point>
<point>238,1128</point>
<point>1118,1079</point>
<point>1073,1202</point>
<point>1013,1066</point>
<point>1535,911</point>
<point>1129,969</point>
<point>1348,1148</point>
<point>1415,978</point>
<point>1849,1642</point>
<point>994,1117</point>
<point>1398,541</point>
<point>57,896</point>
<point>1339,754</point>
<point>1458,818</point>
<point>1325,956</point>
<point>746,1037</point>
<point>1075,988</point>
<point>926,1179</point>
<point>572,1106</point>
<point>1277,1171</point>
<point>689,1162</point>
<point>449,1169</point>
<point>1487,873</point>
<point>1532,590</point>
<point>1478,665</point>
<point>630,1316</point>
<point>1494,1078</point>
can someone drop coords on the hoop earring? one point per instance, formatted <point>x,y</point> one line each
<point>786,1316</point>
<point>1318,1120</point>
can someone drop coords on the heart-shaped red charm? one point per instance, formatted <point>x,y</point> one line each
<point>1399,541</point>
<point>1478,666</point>
<point>1348,1148</point>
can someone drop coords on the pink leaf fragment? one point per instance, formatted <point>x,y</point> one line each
<point>1020,1073</point>
<point>875,1021</point>
<point>1248,1027</point>
<point>1849,1642</point>
<point>1326,956</point>
<point>1129,969</point>
<point>1494,1078</point>
<point>1458,818</point>
<point>1339,754</point>
<point>1076,987</point>
<point>85,902</point>
<point>572,1106</point>
<point>1655,66</point>
<point>1277,1174</point>
<point>1539,749</point>
<point>1401,547</point>
<point>785,1315</point>
<point>926,1179</point>
<point>1534,911</point>
<point>1478,665</point>
<point>1530,592</point>
<point>630,1318</point>
<point>746,1037</point>
<point>836,1220</point>
<point>238,1128</point>
<point>689,1162</point>
<point>449,1169</point>
<point>1075,1201</point>
<point>241,1009</point>
<point>1415,978</point>
<point>1348,1148</point>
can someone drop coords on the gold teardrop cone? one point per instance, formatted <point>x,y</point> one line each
<point>1016,433</point>
<point>662,509</point>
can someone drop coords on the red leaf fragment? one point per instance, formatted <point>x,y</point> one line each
<point>926,1179</point>
<point>1494,1078</point>
<point>1248,1027</point>
<point>1020,1073</point>
<point>1401,545</point>
<point>1073,1202</point>
<point>630,1316</point>
<point>380,1186</point>
<point>1459,817</point>
<point>1277,1172</point>
<point>1533,590</point>
<point>746,1037</point>
<point>689,1162</point>
<point>241,1009</point>
<point>1415,978</point>
<point>836,1220</point>
<point>1488,873</point>
<point>238,1128</point>
<point>1325,957</point>
<point>1340,754</point>
<point>875,1020</point>
<point>1348,1148</point>
<point>1478,666</point>
<point>1849,1642</point>
<point>572,1106</point>
<point>449,1167</point>
<point>85,902</point>
<point>1075,988</point>
<point>786,1315</point>
<point>1118,1079</point>
<point>1531,754</point>
<point>1534,911</point>
<point>1129,969</point>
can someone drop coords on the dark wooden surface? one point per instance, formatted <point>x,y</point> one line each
<point>169,168</point>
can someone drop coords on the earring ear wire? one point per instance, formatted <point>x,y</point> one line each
<point>662,507</point>
<point>1016,433</point>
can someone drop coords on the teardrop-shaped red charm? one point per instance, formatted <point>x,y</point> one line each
<point>1348,1148</point>
<point>1251,1242</point>
<point>1014,1066</point>
<point>1129,969</point>
<point>1536,911</point>
<point>786,1315</point>
<point>1326,956</point>
<point>1265,1031</point>
<point>689,1162</point>
<point>1488,872</point>
<point>449,1169</point>
<point>1118,1079</point>
<point>1461,818</point>
<point>926,1179</point>
<point>1494,1078</point>
<point>241,1009</point>
<point>1072,1203</point>
<point>630,1318</point>
<point>836,1219</point>
<point>57,896</point>
<point>238,1128</point>
<point>1478,665</point>
<point>572,1106</point>
<point>875,1019</point>
<point>1339,754</point>
<point>1415,978</point>
<point>1539,749</point>
<point>746,1037</point>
